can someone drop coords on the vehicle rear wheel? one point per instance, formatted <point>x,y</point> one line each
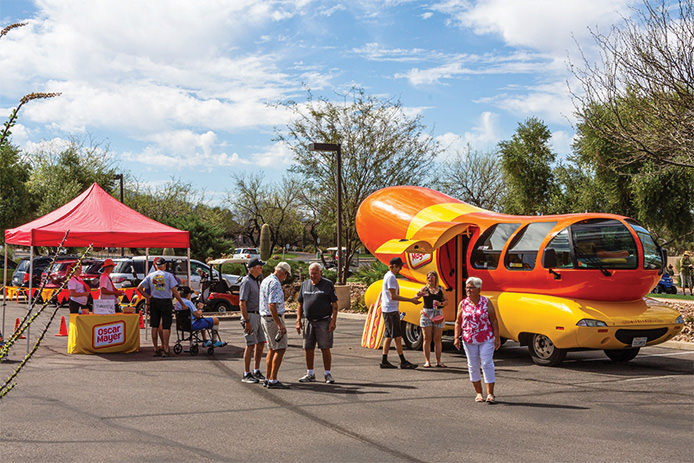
<point>544,352</point>
<point>672,290</point>
<point>622,355</point>
<point>412,336</point>
<point>221,306</point>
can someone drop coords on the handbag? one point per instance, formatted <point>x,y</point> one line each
<point>435,320</point>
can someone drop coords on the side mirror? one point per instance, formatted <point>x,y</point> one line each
<point>549,258</point>
<point>549,261</point>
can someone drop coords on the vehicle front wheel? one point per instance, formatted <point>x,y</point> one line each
<point>412,336</point>
<point>221,306</point>
<point>544,352</point>
<point>622,355</point>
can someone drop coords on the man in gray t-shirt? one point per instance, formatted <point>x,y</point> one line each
<point>249,300</point>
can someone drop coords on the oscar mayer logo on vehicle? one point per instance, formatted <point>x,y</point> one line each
<point>417,259</point>
<point>108,334</point>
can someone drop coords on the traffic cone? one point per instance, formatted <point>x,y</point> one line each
<point>142,321</point>
<point>16,327</point>
<point>63,328</point>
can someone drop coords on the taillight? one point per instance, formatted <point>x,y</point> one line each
<point>118,279</point>
<point>26,278</point>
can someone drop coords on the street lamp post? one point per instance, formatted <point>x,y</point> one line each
<point>337,148</point>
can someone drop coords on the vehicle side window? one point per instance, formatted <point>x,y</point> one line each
<point>522,253</point>
<point>560,244</point>
<point>489,246</point>
<point>651,257</point>
<point>196,268</point>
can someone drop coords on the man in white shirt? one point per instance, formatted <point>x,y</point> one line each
<point>271,308</point>
<point>390,302</point>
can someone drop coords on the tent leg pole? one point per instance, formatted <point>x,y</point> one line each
<point>4,292</point>
<point>190,283</point>
<point>31,283</point>
<point>146,273</point>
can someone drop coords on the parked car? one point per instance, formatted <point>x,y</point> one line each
<point>56,274</point>
<point>20,277</point>
<point>246,253</point>
<point>130,271</point>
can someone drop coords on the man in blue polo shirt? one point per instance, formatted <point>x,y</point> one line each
<point>158,288</point>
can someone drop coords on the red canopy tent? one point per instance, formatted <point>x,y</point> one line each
<point>95,218</point>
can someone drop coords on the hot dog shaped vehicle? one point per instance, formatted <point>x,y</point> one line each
<point>558,282</point>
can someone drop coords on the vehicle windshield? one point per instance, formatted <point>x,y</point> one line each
<point>603,243</point>
<point>652,259</point>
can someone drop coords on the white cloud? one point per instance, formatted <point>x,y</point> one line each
<point>551,102</point>
<point>544,25</point>
<point>277,156</point>
<point>561,142</point>
<point>482,137</point>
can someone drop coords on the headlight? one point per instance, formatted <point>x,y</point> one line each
<point>590,322</point>
<point>679,320</point>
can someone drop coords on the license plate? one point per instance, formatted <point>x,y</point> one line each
<point>639,342</point>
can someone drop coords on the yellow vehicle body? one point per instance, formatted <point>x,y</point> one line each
<point>522,314</point>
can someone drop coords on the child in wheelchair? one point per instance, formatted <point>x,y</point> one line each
<point>191,320</point>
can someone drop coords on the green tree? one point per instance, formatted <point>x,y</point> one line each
<point>381,146</point>
<point>640,96</point>
<point>660,197</point>
<point>473,177</point>
<point>257,202</point>
<point>58,178</point>
<point>16,203</point>
<point>526,163</point>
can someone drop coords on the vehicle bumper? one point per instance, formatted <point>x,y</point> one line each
<point>621,337</point>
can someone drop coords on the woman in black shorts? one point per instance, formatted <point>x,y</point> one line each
<point>434,301</point>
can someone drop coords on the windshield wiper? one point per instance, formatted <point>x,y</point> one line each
<point>592,261</point>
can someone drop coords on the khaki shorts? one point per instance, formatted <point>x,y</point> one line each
<point>270,329</point>
<point>257,335</point>
<point>317,332</point>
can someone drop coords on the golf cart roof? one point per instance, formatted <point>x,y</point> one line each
<point>228,260</point>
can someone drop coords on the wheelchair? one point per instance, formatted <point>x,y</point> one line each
<point>185,332</point>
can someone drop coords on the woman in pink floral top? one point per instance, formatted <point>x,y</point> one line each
<point>476,322</point>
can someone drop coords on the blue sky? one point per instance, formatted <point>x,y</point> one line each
<point>182,88</point>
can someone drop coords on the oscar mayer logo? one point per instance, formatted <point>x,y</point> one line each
<point>108,334</point>
<point>417,259</point>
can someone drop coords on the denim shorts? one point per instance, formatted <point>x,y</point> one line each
<point>425,322</point>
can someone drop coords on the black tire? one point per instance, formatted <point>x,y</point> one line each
<point>412,336</point>
<point>502,341</point>
<point>140,307</point>
<point>672,290</point>
<point>210,351</point>
<point>178,348</point>
<point>543,351</point>
<point>221,306</point>
<point>194,349</point>
<point>622,355</point>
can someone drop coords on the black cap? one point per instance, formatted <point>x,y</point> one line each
<point>159,261</point>
<point>184,290</point>
<point>396,261</point>
<point>255,261</point>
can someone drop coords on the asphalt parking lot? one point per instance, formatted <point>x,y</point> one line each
<point>137,407</point>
